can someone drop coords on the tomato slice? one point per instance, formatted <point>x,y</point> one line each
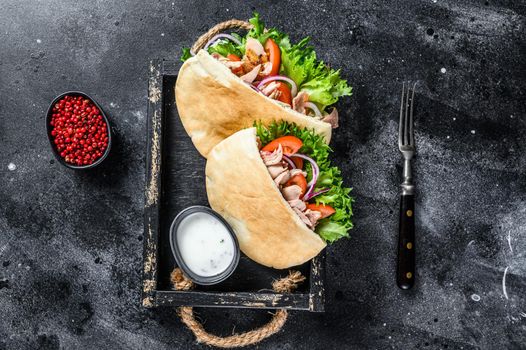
<point>274,53</point>
<point>285,96</point>
<point>325,210</point>
<point>299,180</point>
<point>298,162</point>
<point>233,57</point>
<point>290,144</point>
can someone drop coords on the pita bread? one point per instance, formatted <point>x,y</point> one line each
<point>214,103</point>
<point>240,188</point>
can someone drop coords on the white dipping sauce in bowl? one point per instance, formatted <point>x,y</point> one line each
<point>205,244</point>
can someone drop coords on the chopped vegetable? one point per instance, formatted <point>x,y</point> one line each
<point>315,172</point>
<point>258,31</point>
<point>293,86</point>
<point>225,47</point>
<point>318,193</point>
<point>186,54</point>
<point>314,108</point>
<point>325,210</point>
<point>322,83</point>
<point>300,181</point>
<point>252,87</point>
<point>315,168</point>
<point>331,231</point>
<point>298,162</point>
<point>290,144</point>
<point>290,162</point>
<point>274,54</point>
<point>285,95</point>
<point>233,57</point>
<point>220,36</point>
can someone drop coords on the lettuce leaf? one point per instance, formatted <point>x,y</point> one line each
<point>226,47</point>
<point>323,84</point>
<point>331,231</point>
<point>186,54</point>
<point>337,225</point>
<point>258,32</point>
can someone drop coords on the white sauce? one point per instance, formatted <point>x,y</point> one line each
<point>205,244</point>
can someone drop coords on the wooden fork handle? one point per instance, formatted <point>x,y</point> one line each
<point>405,272</point>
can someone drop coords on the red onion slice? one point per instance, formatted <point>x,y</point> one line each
<point>252,87</point>
<point>293,88</point>
<point>315,173</point>
<point>289,162</point>
<point>315,194</point>
<point>221,36</point>
<point>315,168</point>
<point>314,108</point>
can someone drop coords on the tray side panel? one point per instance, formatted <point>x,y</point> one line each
<point>292,301</point>
<point>317,277</point>
<point>153,183</point>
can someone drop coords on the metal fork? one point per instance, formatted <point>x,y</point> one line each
<point>405,272</point>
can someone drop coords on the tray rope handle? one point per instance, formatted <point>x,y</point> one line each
<point>218,28</point>
<point>283,285</point>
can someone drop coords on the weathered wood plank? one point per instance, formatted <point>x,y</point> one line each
<point>317,278</point>
<point>153,183</point>
<point>293,301</point>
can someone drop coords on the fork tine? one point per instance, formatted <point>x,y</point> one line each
<point>411,133</point>
<point>402,121</point>
<point>406,120</point>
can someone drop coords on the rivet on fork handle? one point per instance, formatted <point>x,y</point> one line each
<point>405,275</point>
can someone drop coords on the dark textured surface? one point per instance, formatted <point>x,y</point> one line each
<point>70,242</point>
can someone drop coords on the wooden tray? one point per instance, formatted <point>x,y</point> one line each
<point>175,179</point>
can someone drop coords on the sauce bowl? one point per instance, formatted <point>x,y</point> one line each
<point>232,256</point>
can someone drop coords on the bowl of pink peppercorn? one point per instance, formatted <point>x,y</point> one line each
<point>78,130</point>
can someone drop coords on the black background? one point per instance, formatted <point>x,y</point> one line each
<point>70,242</point>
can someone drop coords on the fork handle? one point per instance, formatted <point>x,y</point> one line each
<point>405,274</point>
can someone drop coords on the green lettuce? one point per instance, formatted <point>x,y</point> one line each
<point>299,62</point>
<point>222,47</point>
<point>226,47</point>
<point>331,231</point>
<point>323,84</point>
<point>186,54</point>
<point>258,31</point>
<point>337,225</point>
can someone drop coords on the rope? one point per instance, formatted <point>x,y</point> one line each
<point>218,28</point>
<point>283,285</point>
